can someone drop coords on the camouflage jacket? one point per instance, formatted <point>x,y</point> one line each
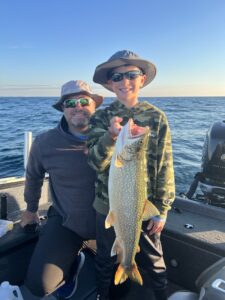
<point>161,187</point>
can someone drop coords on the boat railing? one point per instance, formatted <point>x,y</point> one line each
<point>28,139</point>
<point>27,147</point>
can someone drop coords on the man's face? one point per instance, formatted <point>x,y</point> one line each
<point>78,113</point>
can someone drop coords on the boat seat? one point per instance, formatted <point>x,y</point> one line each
<point>16,248</point>
<point>210,284</point>
<point>184,295</point>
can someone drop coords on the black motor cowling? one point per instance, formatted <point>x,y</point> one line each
<point>213,158</point>
<point>212,182</point>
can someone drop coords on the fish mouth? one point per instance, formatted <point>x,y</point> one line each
<point>134,130</point>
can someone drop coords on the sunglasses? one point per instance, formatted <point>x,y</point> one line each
<point>69,103</point>
<point>130,75</point>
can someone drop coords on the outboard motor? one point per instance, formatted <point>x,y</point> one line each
<point>211,179</point>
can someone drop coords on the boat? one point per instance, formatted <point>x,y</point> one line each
<point>193,240</point>
<point>193,243</point>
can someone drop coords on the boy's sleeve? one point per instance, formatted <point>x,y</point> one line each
<point>100,144</point>
<point>165,183</point>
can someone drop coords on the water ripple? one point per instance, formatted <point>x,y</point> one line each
<point>189,119</point>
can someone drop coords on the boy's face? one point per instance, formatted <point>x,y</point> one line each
<point>127,90</point>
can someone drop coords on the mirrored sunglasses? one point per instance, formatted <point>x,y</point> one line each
<point>130,75</point>
<point>68,103</point>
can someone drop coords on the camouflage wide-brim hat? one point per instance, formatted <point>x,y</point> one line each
<point>121,58</point>
<point>76,87</point>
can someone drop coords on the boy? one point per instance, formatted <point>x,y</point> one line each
<point>124,74</point>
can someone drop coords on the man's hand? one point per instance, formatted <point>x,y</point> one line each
<point>155,226</point>
<point>29,218</point>
<point>115,127</point>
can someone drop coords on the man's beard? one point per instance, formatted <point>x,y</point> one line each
<point>81,122</point>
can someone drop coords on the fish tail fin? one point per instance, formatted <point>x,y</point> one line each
<point>135,275</point>
<point>122,274</point>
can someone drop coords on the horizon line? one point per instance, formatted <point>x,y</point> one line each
<point>202,96</point>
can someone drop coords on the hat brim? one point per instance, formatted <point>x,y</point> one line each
<point>102,70</point>
<point>97,98</point>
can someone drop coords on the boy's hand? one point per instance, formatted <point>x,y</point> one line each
<point>115,127</point>
<point>155,226</point>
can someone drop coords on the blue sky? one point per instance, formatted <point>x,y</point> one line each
<point>45,43</point>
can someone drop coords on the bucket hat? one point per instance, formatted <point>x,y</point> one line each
<point>76,87</point>
<point>121,58</point>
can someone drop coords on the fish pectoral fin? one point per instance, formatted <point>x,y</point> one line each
<point>118,162</point>
<point>149,211</point>
<point>138,249</point>
<point>110,220</point>
<point>117,250</point>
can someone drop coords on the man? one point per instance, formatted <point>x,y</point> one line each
<point>125,73</point>
<point>61,152</point>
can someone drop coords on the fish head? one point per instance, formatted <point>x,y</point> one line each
<point>131,140</point>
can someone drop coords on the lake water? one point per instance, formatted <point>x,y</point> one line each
<point>189,119</point>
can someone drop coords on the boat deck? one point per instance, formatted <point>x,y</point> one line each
<point>182,246</point>
<point>17,246</point>
<point>86,289</point>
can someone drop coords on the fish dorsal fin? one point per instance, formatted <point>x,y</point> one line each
<point>110,220</point>
<point>149,211</point>
<point>118,162</point>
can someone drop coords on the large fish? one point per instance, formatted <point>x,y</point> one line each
<point>128,198</point>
